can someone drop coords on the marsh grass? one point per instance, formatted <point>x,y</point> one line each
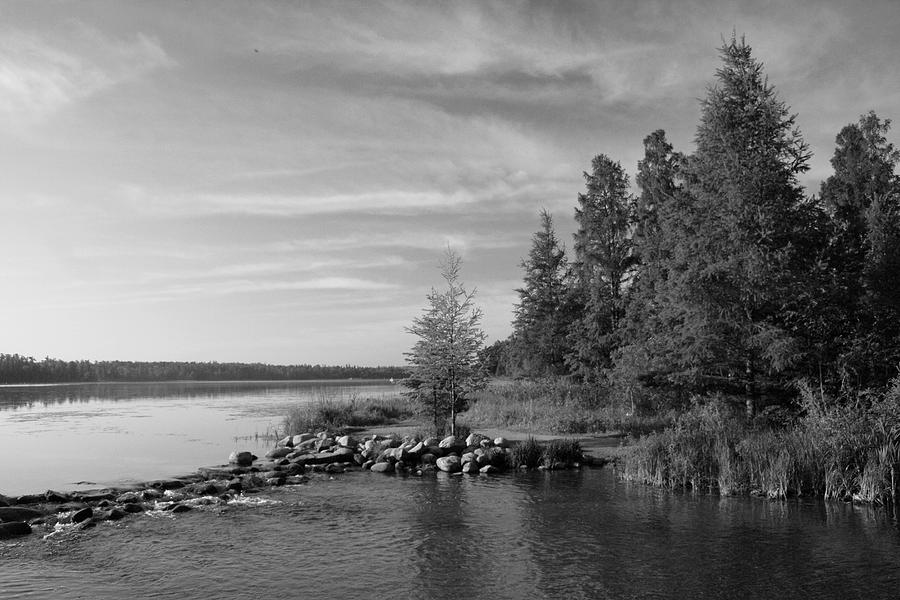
<point>831,450</point>
<point>556,406</point>
<point>339,415</point>
<point>527,453</point>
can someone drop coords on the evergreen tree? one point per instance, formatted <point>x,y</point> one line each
<point>603,266</point>
<point>444,366</point>
<point>542,316</point>
<point>733,267</point>
<point>863,199</point>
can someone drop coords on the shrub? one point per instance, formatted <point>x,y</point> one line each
<point>526,454</point>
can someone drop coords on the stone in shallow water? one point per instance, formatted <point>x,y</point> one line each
<point>382,467</point>
<point>279,452</point>
<point>14,529</point>
<point>242,459</point>
<point>470,467</point>
<point>15,513</point>
<point>450,464</point>
<point>85,514</point>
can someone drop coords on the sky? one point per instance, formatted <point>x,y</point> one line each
<point>277,181</point>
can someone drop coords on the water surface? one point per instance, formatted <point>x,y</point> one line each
<point>69,437</point>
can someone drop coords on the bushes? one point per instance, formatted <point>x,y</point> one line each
<point>832,451</point>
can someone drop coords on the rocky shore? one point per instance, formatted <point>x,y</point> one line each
<point>292,461</point>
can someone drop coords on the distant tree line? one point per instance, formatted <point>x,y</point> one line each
<point>722,277</point>
<point>25,369</point>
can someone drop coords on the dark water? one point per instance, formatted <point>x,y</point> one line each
<point>534,535</point>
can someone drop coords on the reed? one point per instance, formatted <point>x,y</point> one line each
<point>336,415</point>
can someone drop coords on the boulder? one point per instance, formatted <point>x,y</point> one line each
<point>489,469</point>
<point>501,442</point>
<point>474,439</point>
<point>28,499</point>
<point>85,514</point>
<point>14,529</point>
<point>382,467</point>
<point>115,514</point>
<point>449,442</point>
<point>242,459</point>
<point>449,464</point>
<point>470,467</point>
<point>129,497</point>
<point>346,441</point>
<point>180,508</point>
<point>279,452</point>
<point>9,514</point>
<point>417,449</point>
<point>334,468</point>
<point>428,458</point>
<point>303,437</point>
<point>5,500</point>
<point>467,457</point>
<point>132,507</point>
<point>57,497</point>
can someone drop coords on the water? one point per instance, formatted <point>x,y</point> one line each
<point>70,437</point>
<point>575,534</point>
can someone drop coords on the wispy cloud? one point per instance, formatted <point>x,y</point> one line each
<point>40,75</point>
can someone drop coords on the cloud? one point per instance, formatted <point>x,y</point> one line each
<point>41,75</point>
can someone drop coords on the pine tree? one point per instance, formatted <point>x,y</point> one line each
<point>603,266</point>
<point>733,266</point>
<point>542,316</point>
<point>444,366</point>
<point>863,199</point>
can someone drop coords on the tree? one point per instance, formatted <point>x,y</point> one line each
<point>863,199</point>
<point>603,266</point>
<point>732,266</point>
<point>444,366</point>
<point>542,316</point>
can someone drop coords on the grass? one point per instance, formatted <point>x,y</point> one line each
<point>556,453</point>
<point>326,414</point>
<point>831,450</point>
<point>556,406</point>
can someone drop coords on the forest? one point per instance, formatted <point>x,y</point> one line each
<point>25,369</point>
<point>764,321</point>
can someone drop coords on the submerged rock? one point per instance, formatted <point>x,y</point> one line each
<point>382,467</point>
<point>242,459</point>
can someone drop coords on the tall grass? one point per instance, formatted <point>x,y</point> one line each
<point>555,406</point>
<point>832,450</point>
<point>337,415</point>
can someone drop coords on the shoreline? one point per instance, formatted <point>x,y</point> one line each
<point>295,460</point>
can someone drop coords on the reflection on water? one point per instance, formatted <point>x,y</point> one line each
<point>531,535</point>
<point>76,436</point>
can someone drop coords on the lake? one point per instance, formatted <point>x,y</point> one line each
<point>572,534</point>
<point>70,437</point>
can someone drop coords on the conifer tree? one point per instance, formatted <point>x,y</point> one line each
<point>733,266</point>
<point>542,316</point>
<point>603,266</point>
<point>444,366</point>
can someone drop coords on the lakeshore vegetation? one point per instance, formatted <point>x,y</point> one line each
<point>746,334</point>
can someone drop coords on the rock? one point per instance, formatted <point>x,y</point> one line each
<point>501,442</point>
<point>449,442</point>
<point>368,465</point>
<point>132,507</point>
<point>474,439</point>
<point>13,529</point>
<point>151,494</point>
<point>296,480</point>
<point>303,437</point>
<point>428,459</point>
<point>324,444</point>
<point>129,497</point>
<point>5,500</point>
<point>334,468</point>
<point>180,508</point>
<point>242,459</point>
<point>287,442</point>
<point>235,486</point>
<point>9,514</point>
<point>432,441</point>
<point>449,464</point>
<point>208,489</point>
<point>85,514</point>
<point>28,499</point>
<point>489,469</point>
<point>417,449</point>
<point>56,497</point>
<point>95,496</point>
<point>115,514</point>
<point>495,456</point>
<point>346,441</point>
<point>279,452</point>
<point>171,484</point>
<point>467,457</point>
<point>470,467</point>
<point>359,459</point>
<point>382,467</point>
<point>276,481</point>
